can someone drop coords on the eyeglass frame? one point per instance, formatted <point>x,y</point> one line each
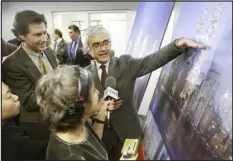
<point>101,44</point>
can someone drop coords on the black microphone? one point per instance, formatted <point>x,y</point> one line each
<point>110,92</point>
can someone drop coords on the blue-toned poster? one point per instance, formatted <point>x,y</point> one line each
<point>146,37</point>
<point>192,103</point>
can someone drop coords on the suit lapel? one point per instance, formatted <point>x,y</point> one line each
<point>95,76</point>
<point>111,68</point>
<point>80,45</point>
<point>32,70</point>
<point>51,58</point>
<point>111,73</point>
<point>61,44</point>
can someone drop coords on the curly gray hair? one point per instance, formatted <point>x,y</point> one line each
<point>93,30</point>
<point>55,93</point>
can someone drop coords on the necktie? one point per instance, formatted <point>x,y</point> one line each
<point>42,64</point>
<point>73,49</point>
<point>104,74</point>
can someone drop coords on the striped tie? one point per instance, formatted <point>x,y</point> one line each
<point>42,64</point>
<point>104,74</point>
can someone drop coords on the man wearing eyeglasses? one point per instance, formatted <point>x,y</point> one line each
<point>125,70</point>
<point>74,51</point>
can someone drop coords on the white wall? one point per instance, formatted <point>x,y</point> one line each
<point>117,22</point>
<point>9,9</point>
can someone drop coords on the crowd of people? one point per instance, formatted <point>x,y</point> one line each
<point>52,106</point>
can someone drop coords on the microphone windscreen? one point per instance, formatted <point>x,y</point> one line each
<point>110,82</point>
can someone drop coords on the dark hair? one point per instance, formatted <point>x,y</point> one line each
<point>75,28</point>
<point>58,32</point>
<point>24,18</point>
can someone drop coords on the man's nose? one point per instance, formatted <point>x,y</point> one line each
<point>102,48</point>
<point>15,98</point>
<point>44,37</point>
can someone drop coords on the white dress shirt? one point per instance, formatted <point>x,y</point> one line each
<point>35,58</point>
<point>99,70</point>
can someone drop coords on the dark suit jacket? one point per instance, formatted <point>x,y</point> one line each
<point>21,75</point>
<point>7,48</point>
<point>15,41</point>
<point>61,51</point>
<point>16,145</point>
<point>81,59</point>
<point>125,70</point>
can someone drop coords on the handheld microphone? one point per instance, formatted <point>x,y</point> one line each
<point>110,92</point>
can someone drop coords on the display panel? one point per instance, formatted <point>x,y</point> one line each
<point>192,103</point>
<point>146,37</point>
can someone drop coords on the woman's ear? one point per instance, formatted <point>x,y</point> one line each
<point>87,106</point>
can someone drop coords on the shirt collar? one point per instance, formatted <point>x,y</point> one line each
<point>76,41</point>
<point>106,64</point>
<point>58,40</point>
<point>32,53</point>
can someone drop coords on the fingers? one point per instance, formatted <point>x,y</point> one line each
<point>190,43</point>
<point>117,99</point>
<point>118,103</point>
<point>116,107</point>
<point>200,46</point>
<point>194,44</point>
<point>110,102</point>
<point>107,105</point>
<point>110,107</point>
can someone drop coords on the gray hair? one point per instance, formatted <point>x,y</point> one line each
<point>56,92</point>
<point>93,30</point>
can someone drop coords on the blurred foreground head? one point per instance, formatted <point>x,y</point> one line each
<point>59,94</point>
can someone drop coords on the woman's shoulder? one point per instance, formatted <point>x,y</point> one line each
<point>57,148</point>
<point>61,150</point>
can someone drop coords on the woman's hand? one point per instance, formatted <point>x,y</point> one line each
<point>105,106</point>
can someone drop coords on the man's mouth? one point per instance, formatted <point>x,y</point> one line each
<point>103,54</point>
<point>18,104</point>
<point>42,44</point>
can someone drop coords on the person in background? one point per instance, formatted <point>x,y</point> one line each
<point>59,46</point>
<point>22,69</point>
<point>7,49</point>
<point>125,70</point>
<point>16,41</point>
<point>74,51</point>
<point>16,145</point>
<point>49,40</point>
<point>68,98</point>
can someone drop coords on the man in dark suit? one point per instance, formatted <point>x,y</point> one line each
<point>15,41</point>
<point>125,70</point>
<point>59,46</point>
<point>74,51</point>
<point>22,69</point>
<point>7,48</point>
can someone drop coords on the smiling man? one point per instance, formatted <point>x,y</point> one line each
<point>125,69</point>
<point>24,67</point>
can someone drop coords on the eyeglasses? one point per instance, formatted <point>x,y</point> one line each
<point>98,45</point>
